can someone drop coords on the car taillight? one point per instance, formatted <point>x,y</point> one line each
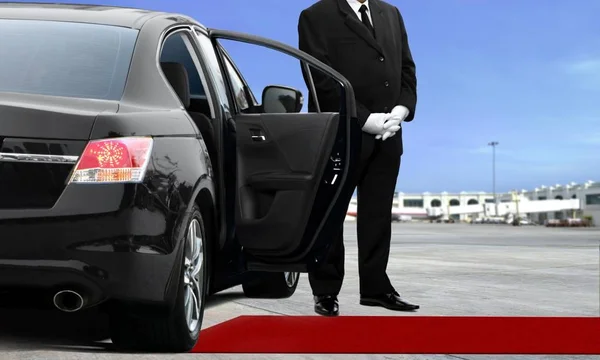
<point>113,161</point>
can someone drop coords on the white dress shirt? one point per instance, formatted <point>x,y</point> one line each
<point>356,5</point>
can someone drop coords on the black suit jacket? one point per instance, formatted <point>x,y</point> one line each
<point>381,70</point>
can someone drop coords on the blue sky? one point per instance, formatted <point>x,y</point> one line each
<point>525,73</point>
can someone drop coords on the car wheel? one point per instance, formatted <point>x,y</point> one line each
<point>267,285</point>
<point>179,329</point>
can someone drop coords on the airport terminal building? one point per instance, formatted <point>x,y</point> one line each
<point>588,204</point>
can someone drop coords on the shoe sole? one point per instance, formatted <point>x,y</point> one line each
<point>380,304</point>
<point>327,314</point>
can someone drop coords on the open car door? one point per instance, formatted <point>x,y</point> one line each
<point>292,168</point>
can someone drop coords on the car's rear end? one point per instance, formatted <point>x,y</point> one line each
<point>72,213</point>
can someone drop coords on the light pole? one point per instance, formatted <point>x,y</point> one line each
<point>493,144</point>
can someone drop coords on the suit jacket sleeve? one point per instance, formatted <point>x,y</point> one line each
<point>328,90</point>
<point>408,96</point>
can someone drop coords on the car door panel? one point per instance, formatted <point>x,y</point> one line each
<point>291,170</point>
<point>292,143</point>
<point>279,166</point>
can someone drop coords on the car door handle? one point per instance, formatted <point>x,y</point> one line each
<point>257,135</point>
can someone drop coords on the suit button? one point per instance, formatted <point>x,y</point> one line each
<point>385,109</point>
<point>387,84</point>
<point>381,58</point>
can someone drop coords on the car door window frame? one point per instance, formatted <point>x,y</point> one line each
<point>292,52</point>
<point>240,90</point>
<point>226,58</point>
<point>255,106</point>
<point>225,129</point>
<point>203,36</point>
<point>188,39</point>
<point>219,106</point>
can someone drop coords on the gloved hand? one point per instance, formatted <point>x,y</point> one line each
<point>374,124</point>
<point>394,123</point>
<point>389,129</point>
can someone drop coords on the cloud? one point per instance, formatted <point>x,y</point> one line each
<point>585,72</point>
<point>590,139</point>
<point>585,67</point>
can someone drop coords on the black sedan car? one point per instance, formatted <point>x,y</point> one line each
<point>139,173</point>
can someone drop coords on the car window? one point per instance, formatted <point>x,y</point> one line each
<point>175,50</point>
<point>258,68</point>
<point>65,58</point>
<point>210,56</point>
<point>239,88</point>
<point>180,47</point>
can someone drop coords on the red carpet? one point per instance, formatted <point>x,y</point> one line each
<point>403,335</point>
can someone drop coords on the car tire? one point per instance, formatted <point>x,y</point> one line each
<point>271,285</point>
<point>152,331</point>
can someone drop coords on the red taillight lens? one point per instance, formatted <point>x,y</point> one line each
<point>113,160</point>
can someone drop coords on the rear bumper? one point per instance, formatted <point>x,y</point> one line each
<point>130,277</point>
<point>123,250</point>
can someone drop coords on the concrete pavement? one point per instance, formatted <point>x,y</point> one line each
<point>449,269</point>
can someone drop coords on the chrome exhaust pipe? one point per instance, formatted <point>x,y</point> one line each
<point>69,301</point>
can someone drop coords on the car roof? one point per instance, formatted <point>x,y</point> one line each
<point>85,13</point>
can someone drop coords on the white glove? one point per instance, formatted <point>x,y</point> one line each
<point>399,113</point>
<point>389,128</point>
<point>374,124</point>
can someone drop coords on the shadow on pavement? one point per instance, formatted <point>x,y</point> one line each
<point>222,298</point>
<point>32,327</point>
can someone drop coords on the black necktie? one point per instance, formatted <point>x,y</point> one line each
<point>365,19</point>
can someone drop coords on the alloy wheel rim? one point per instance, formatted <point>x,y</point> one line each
<point>193,275</point>
<point>290,278</point>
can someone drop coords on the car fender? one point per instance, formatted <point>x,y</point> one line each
<point>201,193</point>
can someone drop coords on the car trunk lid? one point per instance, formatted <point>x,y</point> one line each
<point>41,138</point>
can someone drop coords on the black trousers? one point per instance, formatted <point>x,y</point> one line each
<point>376,184</point>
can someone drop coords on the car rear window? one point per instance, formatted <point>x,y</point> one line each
<point>65,59</point>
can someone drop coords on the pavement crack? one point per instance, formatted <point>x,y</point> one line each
<point>457,357</point>
<point>260,308</point>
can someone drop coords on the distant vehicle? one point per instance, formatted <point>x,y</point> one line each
<point>489,220</point>
<point>524,221</point>
<point>568,223</point>
<point>138,171</point>
<point>405,218</point>
<point>401,218</point>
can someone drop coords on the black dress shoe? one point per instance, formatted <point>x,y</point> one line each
<point>327,305</point>
<point>391,301</point>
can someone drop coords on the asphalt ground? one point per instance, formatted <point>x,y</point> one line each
<point>449,269</point>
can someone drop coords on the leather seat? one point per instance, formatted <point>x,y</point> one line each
<point>177,76</point>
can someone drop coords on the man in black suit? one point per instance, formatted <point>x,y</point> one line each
<point>366,41</point>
